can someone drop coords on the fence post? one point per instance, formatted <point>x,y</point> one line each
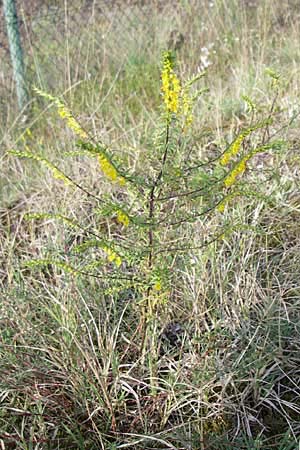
<point>16,52</point>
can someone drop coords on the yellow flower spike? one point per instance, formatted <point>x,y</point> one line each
<point>171,87</point>
<point>123,218</point>
<point>221,206</point>
<point>61,176</point>
<point>107,168</point>
<point>234,148</point>
<point>121,181</point>
<point>70,119</point>
<point>118,261</point>
<point>64,113</point>
<point>157,285</point>
<point>239,169</point>
<point>112,256</point>
<point>58,174</point>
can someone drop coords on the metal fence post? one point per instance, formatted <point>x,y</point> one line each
<point>16,52</point>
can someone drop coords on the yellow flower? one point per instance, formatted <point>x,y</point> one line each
<point>65,114</point>
<point>121,181</point>
<point>157,285</point>
<point>239,169</point>
<point>61,176</point>
<point>109,170</point>
<point>170,85</point>
<point>112,256</point>
<point>70,119</point>
<point>58,174</point>
<point>234,148</point>
<point>177,99</point>
<point>123,218</point>
<point>221,206</point>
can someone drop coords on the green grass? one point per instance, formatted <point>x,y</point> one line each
<point>71,373</point>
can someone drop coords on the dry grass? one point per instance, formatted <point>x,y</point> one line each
<point>226,371</point>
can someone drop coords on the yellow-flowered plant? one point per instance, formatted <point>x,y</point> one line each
<point>171,87</point>
<point>157,285</point>
<point>239,169</point>
<point>177,97</point>
<point>221,205</point>
<point>170,188</point>
<point>123,218</point>
<point>110,170</point>
<point>112,256</point>
<point>235,147</point>
<point>56,172</point>
<point>65,114</point>
<point>241,166</point>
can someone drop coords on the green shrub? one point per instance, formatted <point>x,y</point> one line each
<point>152,201</point>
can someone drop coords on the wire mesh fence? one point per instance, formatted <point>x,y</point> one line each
<point>65,42</point>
